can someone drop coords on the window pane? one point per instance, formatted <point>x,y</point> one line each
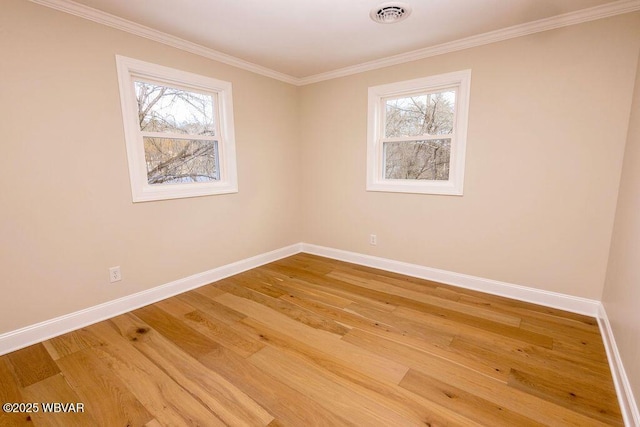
<point>428,160</point>
<point>168,109</point>
<point>429,114</point>
<point>177,161</point>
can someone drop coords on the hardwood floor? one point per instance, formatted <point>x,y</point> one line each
<point>311,341</point>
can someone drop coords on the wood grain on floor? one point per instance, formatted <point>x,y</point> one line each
<point>312,341</point>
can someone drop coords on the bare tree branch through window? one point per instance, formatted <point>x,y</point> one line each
<point>178,128</point>
<point>422,126</point>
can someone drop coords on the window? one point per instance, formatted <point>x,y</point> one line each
<point>179,132</point>
<point>417,132</point>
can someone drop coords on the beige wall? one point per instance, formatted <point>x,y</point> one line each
<point>621,296</point>
<point>547,128</point>
<point>548,124</point>
<point>66,213</point>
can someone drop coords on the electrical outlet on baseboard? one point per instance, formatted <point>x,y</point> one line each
<point>373,239</point>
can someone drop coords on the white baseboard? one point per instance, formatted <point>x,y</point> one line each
<point>628,406</point>
<point>39,332</point>
<point>537,296</point>
<point>570,303</point>
<point>32,334</point>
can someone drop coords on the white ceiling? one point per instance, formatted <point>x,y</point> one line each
<point>303,38</point>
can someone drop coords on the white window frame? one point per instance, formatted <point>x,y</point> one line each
<point>129,70</point>
<point>461,82</point>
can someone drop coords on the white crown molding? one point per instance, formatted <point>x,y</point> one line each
<point>628,406</point>
<point>20,338</point>
<point>564,20</point>
<point>113,21</point>
<point>509,290</point>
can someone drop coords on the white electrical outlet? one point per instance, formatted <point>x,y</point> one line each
<point>373,240</point>
<point>114,274</point>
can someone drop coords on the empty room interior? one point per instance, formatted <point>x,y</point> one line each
<point>320,213</point>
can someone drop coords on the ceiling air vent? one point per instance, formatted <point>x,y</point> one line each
<point>389,13</point>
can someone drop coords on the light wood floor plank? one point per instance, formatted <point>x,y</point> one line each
<point>412,406</point>
<point>434,346</point>
<point>10,392</point>
<point>315,281</point>
<point>324,341</point>
<point>185,337</point>
<point>300,290</point>
<point>440,311</point>
<point>202,299</point>
<point>259,283</point>
<point>160,394</point>
<point>311,341</point>
<point>285,307</point>
<point>485,328</point>
<point>586,399</point>
<point>361,322</point>
<point>285,403</point>
<point>224,399</point>
<point>212,328</point>
<point>32,364</point>
<point>529,357</point>
<point>503,396</point>
<point>547,316</point>
<point>431,331</point>
<point>311,381</point>
<point>56,389</point>
<point>69,343</point>
<point>387,288</point>
<point>223,334</point>
<point>464,403</point>
<point>92,381</point>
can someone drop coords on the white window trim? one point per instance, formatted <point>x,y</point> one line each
<point>461,80</point>
<point>141,191</point>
